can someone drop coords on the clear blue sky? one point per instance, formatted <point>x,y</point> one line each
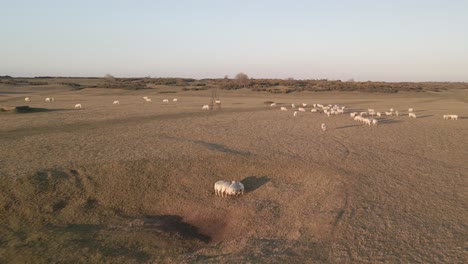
<point>401,40</point>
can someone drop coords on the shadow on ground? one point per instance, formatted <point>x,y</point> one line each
<point>252,183</point>
<point>221,148</point>
<point>348,126</point>
<point>174,225</point>
<point>424,116</point>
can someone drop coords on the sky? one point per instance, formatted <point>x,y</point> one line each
<point>400,40</point>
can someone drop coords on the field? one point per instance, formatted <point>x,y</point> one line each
<point>134,182</point>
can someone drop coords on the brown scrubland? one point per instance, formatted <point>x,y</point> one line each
<point>133,182</point>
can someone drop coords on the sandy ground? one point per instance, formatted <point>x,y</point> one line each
<point>134,182</point>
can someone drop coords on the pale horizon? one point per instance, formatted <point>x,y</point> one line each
<point>402,41</point>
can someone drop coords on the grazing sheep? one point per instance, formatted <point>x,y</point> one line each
<point>396,113</point>
<point>175,100</point>
<point>220,187</point>
<point>451,117</point>
<point>358,118</point>
<point>205,107</point>
<point>324,127</point>
<point>47,99</point>
<point>363,114</point>
<point>145,97</point>
<point>388,113</point>
<point>410,110</point>
<point>235,188</point>
<point>295,113</point>
<point>272,104</point>
<point>391,109</point>
<point>116,102</point>
<point>293,105</point>
<point>301,109</point>
<point>379,114</point>
<point>353,114</point>
<point>218,101</point>
<point>412,115</point>
<point>165,101</point>
<point>313,110</point>
<point>366,121</point>
<point>304,105</point>
<point>148,100</point>
<point>284,108</point>
<point>370,110</point>
<point>27,99</point>
<point>78,106</point>
<point>375,122</point>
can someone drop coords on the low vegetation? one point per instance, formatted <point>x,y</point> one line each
<point>241,81</point>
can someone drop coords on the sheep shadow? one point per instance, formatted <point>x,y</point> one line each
<point>388,121</point>
<point>348,126</point>
<point>173,225</point>
<point>221,148</point>
<point>463,117</point>
<point>419,117</point>
<point>252,183</point>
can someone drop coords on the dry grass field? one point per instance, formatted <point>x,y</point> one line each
<point>133,183</point>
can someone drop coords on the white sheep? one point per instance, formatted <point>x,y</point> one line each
<point>205,107</point>
<point>301,109</point>
<point>78,106</point>
<point>396,113</point>
<point>295,113</point>
<point>145,97</point>
<point>47,99</point>
<point>388,113</point>
<point>324,127</point>
<point>353,114</point>
<point>235,188</point>
<point>217,101</point>
<point>451,117</point>
<point>410,110</point>
<point>379,114</point>
<point>220,187</point>
<point>272,104</point>
<point>363,114</point>
<point>175,100</point>
<point>165,101</point>
<point>366,121</point>
<point>116,102</point>
<point>412,115</point>
<point>293,105</point>
<point>27,99</point>
<point>391,109</point>
<point>304,105</point>
<point>313,110</point>
<point>284,108</point>
<point>375,122</point>
<point>148,100</point>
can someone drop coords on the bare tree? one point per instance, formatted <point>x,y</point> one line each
<point>242,79</point>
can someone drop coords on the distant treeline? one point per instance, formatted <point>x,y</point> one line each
<point>265,85</point>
